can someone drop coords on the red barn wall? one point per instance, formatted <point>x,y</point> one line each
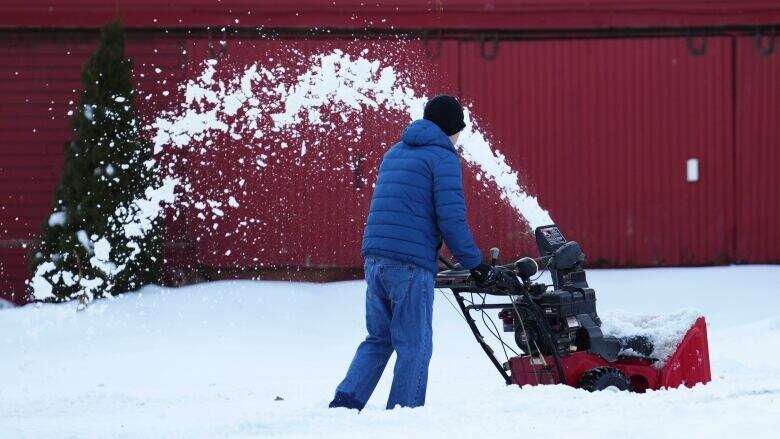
<point>757,149</point>
<point>599,124</point>
<point>505,15</point>
<point>603,129</point>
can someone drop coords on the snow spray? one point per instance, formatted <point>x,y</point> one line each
<point>252,106</point>
<point>334,82</point>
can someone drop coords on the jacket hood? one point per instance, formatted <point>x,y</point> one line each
<point>423,132</point>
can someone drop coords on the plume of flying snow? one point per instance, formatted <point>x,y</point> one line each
<point>476,150</point>
<point>334,80</point>
<point>254,103</point>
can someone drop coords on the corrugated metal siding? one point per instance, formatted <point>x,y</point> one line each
<point>599,129</point>
<point>757,150</point>
<point>398,14</point>
<point>39,84</point>
<point>307,211</point>
<point>602,129</point>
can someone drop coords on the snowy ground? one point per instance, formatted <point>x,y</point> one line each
<point>209,361</point>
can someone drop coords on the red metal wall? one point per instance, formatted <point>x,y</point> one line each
<point>37,83</point>
<point>392,14</point>
<point>307,211</point>
<point>757,151</point>
<point>602,129</point>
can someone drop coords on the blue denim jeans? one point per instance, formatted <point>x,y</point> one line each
<point>399,304</point>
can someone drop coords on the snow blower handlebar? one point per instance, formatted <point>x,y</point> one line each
<point>455,277</point>
<point>561,256</point>
<point>459,280</point>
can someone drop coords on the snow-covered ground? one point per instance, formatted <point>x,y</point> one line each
<point>209,361</point>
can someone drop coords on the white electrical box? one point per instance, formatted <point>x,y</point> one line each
<point>692,167</point>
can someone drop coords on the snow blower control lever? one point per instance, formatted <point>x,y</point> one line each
<point>556,326</point>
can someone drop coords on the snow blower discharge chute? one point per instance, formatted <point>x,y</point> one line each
<point>558,331</point>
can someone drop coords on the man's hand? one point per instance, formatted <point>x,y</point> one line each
<point>484,275</point>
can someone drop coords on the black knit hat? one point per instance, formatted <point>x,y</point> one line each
<point>446,112</point>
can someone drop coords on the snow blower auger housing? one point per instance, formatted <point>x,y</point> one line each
<point>558,331</point>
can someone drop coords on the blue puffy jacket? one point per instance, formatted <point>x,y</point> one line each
<point>418,200</point>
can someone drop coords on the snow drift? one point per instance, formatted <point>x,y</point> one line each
<point>210,360</point>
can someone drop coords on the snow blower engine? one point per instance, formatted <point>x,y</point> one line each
<point>558,331</point>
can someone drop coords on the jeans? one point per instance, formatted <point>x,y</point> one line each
<point>399,304</point>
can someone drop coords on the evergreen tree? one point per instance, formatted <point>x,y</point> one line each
<point>105,168</point>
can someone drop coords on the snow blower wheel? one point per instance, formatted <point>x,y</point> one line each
<point>601,378</point>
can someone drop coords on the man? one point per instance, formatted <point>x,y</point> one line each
<point>417,202</point>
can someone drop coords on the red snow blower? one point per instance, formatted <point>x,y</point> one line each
<point>558,332</point>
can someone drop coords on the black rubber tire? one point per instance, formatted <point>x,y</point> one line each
<point>600,378</point>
